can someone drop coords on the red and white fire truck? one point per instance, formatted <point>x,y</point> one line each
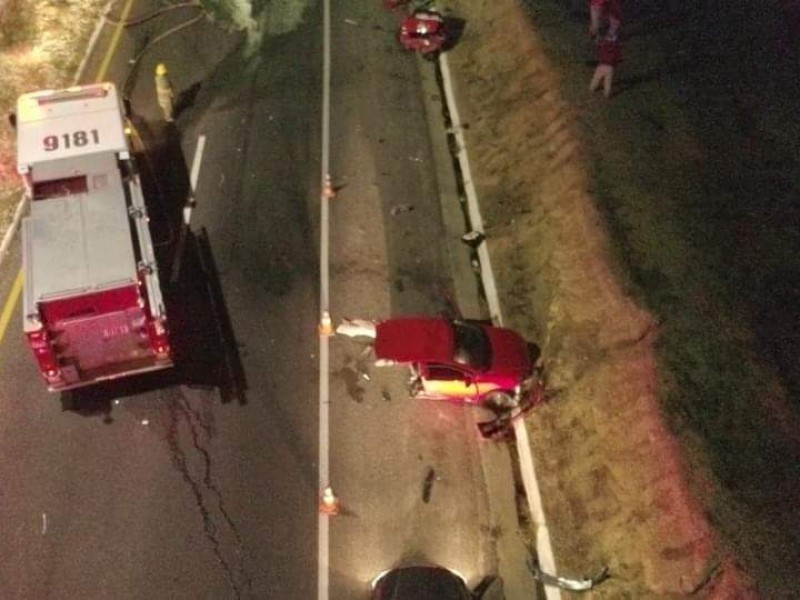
<point>92,304</point>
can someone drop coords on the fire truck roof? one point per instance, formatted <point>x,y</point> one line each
<point>80,240</point>
<point>63,124</point>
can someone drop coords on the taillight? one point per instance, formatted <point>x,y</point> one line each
<point>159,338</point>
<point>39,341</point>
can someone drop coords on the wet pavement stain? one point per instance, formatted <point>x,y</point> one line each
<point>352,380</point>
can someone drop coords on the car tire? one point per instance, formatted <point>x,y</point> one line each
<point>500,401</point>
<point>415,387</point>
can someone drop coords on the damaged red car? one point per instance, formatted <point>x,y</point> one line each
<point>460,360</point>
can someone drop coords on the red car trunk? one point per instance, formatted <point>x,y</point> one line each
<point>415,339</point>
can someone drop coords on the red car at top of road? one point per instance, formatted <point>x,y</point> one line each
<point>423,31</point>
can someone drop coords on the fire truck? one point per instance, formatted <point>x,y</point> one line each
<point>92,304</point>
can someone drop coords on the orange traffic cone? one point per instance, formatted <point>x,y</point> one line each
<point>329,504</point>
<point>325,325</point>
<point>327,189</point>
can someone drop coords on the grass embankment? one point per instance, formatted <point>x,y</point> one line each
<point>675,196</point>
<point>695,166</point>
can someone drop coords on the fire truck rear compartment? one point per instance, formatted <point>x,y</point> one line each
<point>108,330</point>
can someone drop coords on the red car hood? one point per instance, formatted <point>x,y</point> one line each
<point>509,350</point>
<point>415,339</point>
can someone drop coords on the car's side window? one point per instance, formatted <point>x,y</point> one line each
<point>445,373</point>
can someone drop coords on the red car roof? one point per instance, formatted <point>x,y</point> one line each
<point>415,339</point>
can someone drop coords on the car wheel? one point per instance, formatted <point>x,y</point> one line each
<point>500,402</point>
<point>415,387</point>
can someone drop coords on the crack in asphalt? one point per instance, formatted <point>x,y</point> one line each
<point>181,411</point>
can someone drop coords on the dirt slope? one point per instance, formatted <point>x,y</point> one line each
<point>657,459</point>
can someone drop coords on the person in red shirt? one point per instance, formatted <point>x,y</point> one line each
<point>604,12</point>
<point>609,55</point>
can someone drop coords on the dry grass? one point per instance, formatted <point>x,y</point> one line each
<point>612,498</point>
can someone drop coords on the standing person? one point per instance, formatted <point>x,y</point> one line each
<point>609,55</point>
<point>164,93</point>
<point>602,12</point>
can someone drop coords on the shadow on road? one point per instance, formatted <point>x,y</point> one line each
<point>455,30</point>
<point>203,342</point>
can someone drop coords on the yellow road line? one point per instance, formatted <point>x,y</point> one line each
<point>112,47</point>
<point>8,309</point>
<point>16,289</point>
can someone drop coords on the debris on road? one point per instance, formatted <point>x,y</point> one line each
<point>427,485</point>
<point>473,239</point>
<point>400,209</point>
<point>356,328</point>
<point>573,585</point>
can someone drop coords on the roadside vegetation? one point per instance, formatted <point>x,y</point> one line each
<point>650,243</point>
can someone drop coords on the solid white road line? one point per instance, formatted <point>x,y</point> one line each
<point>323,536</point>
<point>193,176</point>
<point>198,156</point>
<point>544,548</point>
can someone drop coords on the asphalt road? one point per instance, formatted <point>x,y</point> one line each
<point>202,483</point>
<point>389,257</point>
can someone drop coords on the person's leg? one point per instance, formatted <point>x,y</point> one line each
<point>596,78</point>
<point>613,26</point>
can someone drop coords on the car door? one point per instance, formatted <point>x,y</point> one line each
<point>447,382</point>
